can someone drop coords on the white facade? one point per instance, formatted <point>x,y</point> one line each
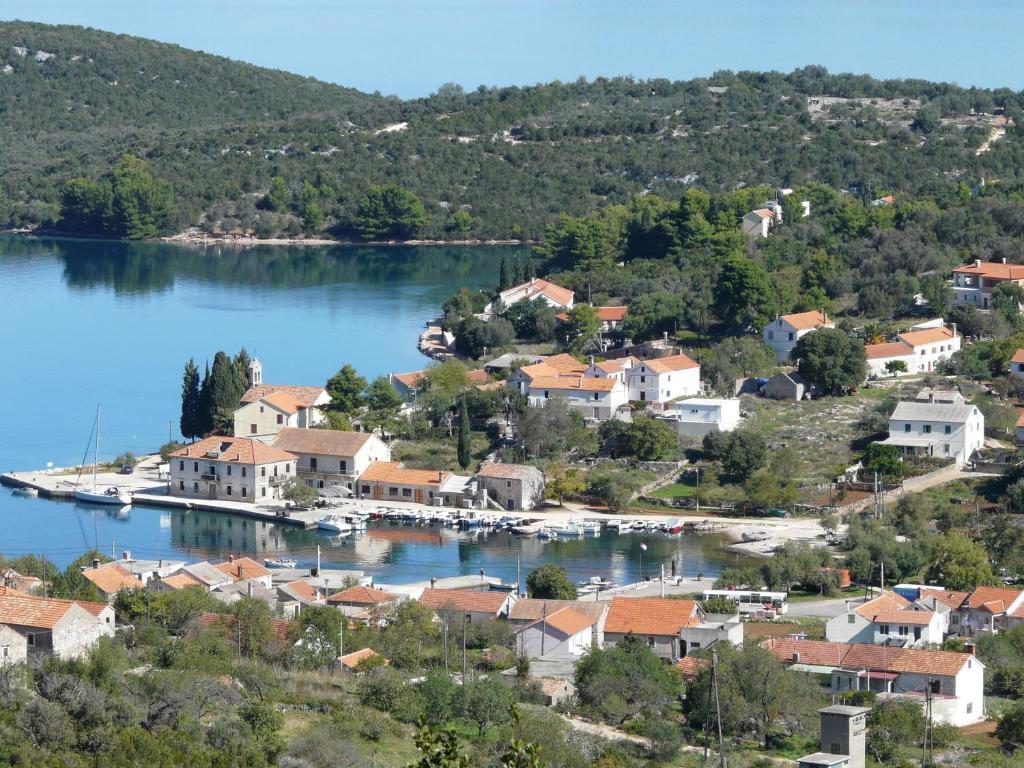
<point>785,331</point>
<point>326,457</point>
<point>263,419</point>
<point>663,379</point>
<point>580,394</point>
<point>697,416</point>
<point>547,639</point>
<point>915,629</point>
<point>758,223</point>
<point>974,283</point>
<point>921,350</point>
<point>231,469</point>
<point>937,429</point>
<point>554,296</point>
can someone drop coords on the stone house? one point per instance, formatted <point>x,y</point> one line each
<point>64,628</point>
<point>785,331</point>
<point>327,457</point>
<point>786,386</point>
<point>476,606</point>
<point>565,634</point>
<point>13,646</point>
<point>663,378</point>
<point>513,486</point>
<point>110,578</point>
<point>654,620</point>
<point>230,469</point>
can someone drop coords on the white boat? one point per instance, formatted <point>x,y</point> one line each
<point>355,522</point>
<point>333,524</point>
<point>94,494</point>
<point>567,529</point>
<point>279,562</point>
<point>596,582</point>
<point>590,526</point>
<point>25,491</point>
<point>614,525</point>
<point>546,533</point>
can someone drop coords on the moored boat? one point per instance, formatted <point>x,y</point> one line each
<point>279,562</point>
<point>333,524</point>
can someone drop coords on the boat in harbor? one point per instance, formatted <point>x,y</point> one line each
<point>567,529</point>
<point>279,562</point>
<point>333,524</point>
<point>596,582</point>
<point>546,533</point>
<point>24,490</point>
<point>94,494</point>
<point>524,530</point>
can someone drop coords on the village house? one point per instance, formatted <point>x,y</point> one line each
<point>611,369</point>
<point>63,628</point>
<point>245,569</point>
<point>392,481</point>
<point>955,680</point>
<point>713,628</point>
<point>361,659</point>
<point>663,379</point>
<point>359,601</point>
<point>1017,364</point>
<point>301,592</point>
<point>110,578</point>
<point>535,289</point>
<point>527,610</point>
<point>937,429</point>
<point>512,486</point>
<point>697,416</point>
<point>328,457</point>
<point>974,283</point>
<point>233,591</point>
<point>406,384</point>
<point>474,605</point>
<point>654,620</point>
<point>566,634</point>
<point>510,360</point>
<point>267,408</point>
<point>231,469</point>
<point>785,331</point>
<point>147,570</point>
<point>935,395</point>
<point>201,574</point>
<point>13,647</point>
<point>758,223</point>
<point>595,399</point>
<point>887,619</point>
<point>987,610</point>
<point>612,318</point>
<point>11,579</point>
<point>920,350</point>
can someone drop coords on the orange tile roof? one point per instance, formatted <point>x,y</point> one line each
<point>993,270</point>
<point>539,286</point>
<point>362,596</point>
<point>926,336</point>
<point>327,442</point>
<point>354,659</point>
<point>670,364</point>
<point>237,450</point>
<point>530,609</point>
<point>567,621</point>
<point>881,658</point>
<point>691,666</point>
<point>763,213</point>
<point>887,601</point>
<point>242,569</point>
<point>411,379</point>
<point>226,623</point>
<point>992,599</point>
<point>650,615</point>
<point>478,376</point>
<point>464,600</point>
<point>950,599</point>
<point>1018,356</point>
<point>611,314</point>
<point>111,578</point>
<point>564,363</point>
<point>395,472</point>
<point>887,349</point>
<point>909,617</point>
<point>305,395</point>
<point>284,401</point>
<point>801,321</point>
<point>303,590</point>
<point>574,383</point>
<point>507,471</point>
<point>41,612</point>
<point>612,366</point>
<point>181,580</point>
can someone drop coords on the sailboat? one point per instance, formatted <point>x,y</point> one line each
<point>94,494</point>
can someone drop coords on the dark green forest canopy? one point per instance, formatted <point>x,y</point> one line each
<point>489,163</point>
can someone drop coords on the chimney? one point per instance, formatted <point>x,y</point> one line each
<point>953,326</point>
<point>796,657</point>
<point>433,582</point>
<point>249,589</point>
<point>95,563</point>
<point>1004,259</point>
<point>970,648</point>
<point>231,558</point>
<point>977,262</point>
<point>126,555</point>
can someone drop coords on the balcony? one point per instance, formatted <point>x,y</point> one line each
<point>275,480</point>
<point>305,469</point>
<point>208,476</point>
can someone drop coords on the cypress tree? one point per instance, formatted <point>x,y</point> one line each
<point>463,446</point>
<point>190,415</point>
<point>204,417</point>
<point>242,363</point>
<point>530,272</point>
<point>225,390</point>
<point>518,272</point>
<point>505,280</point>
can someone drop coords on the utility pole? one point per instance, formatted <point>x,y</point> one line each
<point>318,560</point>
<point>341,635</point>
<point>464,615</point>
<point>927,745</point>
<point>697,491</point>
<point>662,579</point>
<point>543,626</point>
<point>519,585</point>
<point>446,618</point>
<point>881,581</point>
<point>718,710</point>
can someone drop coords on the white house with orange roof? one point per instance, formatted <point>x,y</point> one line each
<point>948,430</point>
<point>330,457</point>
<point>920,349</point>
<point>759,222</point>
<point>664,378</point>
<point>63,628</point>
<point>974,283</point>
<point>264,418</point>
<point>611,369</point>
<point>657,621</point>
<point>231,469</point>
<point>536,289</point>
<point>782,333</point>
<point>393,481</point>
<point>595,399</point>
<point>565,634</point>
<point>887,619</point>
<point>1017,364</point>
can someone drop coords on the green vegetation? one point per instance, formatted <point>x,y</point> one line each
<point>550,582</point>
<point>208,405</point>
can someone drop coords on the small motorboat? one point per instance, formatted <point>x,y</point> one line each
<point>524,530</point>
<point>546,533</point>
<point>614,525</point>
<point>279,562</point>
<point>568,530</point>
<point>596,582</point>
<point>333,524</point>
<point>25,491</point>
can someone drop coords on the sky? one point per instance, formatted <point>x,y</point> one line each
<point>411,47</point>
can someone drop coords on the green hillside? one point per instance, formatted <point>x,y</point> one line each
<point>492,163</point>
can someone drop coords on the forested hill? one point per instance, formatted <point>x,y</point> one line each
<point>491,163</point>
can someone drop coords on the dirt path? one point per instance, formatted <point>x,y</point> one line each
<point>605,731</point>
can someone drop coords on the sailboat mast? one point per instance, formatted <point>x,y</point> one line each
<point>96,453</point>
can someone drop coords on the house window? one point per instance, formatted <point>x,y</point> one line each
<point>546,394</point>
<point>263,471</point>
<point>643,379</point>
<point>927,429</point>
<point>949,429</point>
<point>883,629</point>
<point>244,471</point>
<point>229,470</point>
<point>228,489</point>
<point>312,463</point>
<point>850,618</point>
<point>280,419</point>
<point>343,465</point>
<point>181,485</point>
<point>287,468</point>
<point>771,335</point>
<point>243,492</point>
<point>320,484</point>
<point>30,638</point>
<point>252,429</point>
<point>263,491</point>
<point>945,449</point>
<point>195,466</point>
<point>906,427</point>
<point>650,642</point>
<point>903,631</point>
<point>407,492</point>
<point>695,645</point>
<point>366,489</point>
<point>508,483</point>
<point>791,337</point>
<point>393,491</point>
<point>261,409</point>
<point>213,470</point>
<point>195,487</point>
<point>181,466</point>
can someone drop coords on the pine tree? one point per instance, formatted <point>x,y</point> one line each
<point>463,447</point>
<point>190,416</point>
<point>505,280</point>
<point>530,272</point>
<point>204,417</point>
<point>518,272</point>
